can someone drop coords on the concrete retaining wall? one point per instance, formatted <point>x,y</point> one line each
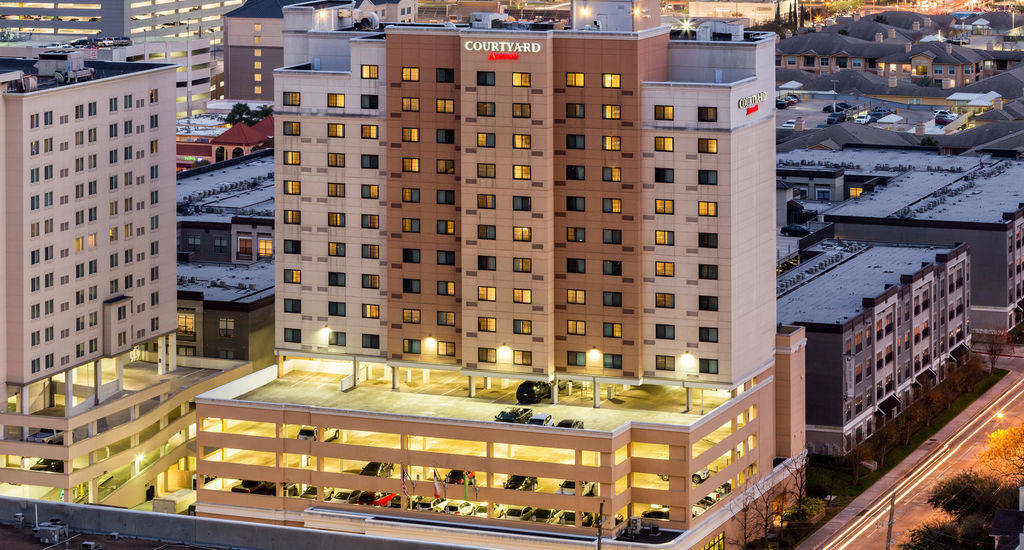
<point>199,531</point>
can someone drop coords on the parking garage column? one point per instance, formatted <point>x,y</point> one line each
<point>161,355</point>
<point>597,394</point>
<point>554,392</point>
<point>689,399</point>
<point>394,378</point>
<point>172,352</point>
<point>280,366</point>
<point>23,403</point>
<point>69,391</point>
<point>93,493</point>
<point>472,386</point>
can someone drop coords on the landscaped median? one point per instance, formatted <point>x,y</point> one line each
<point>845,478</point>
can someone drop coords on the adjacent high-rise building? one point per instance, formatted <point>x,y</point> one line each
<point>586,212</point>
<point>148,18</point>
<point>97,406</point>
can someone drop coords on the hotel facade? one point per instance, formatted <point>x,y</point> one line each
<point>465,208</point>
<point>97,406</point>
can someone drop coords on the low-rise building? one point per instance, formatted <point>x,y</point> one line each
<point>226,311</point>
<point>926,198</point>
<point>882,323</point>
<point>755,12</point>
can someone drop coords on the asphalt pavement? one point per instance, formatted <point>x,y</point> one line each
<point>864,523</point>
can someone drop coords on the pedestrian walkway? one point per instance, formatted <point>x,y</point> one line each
<point>855,508</point>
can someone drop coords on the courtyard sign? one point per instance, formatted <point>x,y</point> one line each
<point>501,49</point>
<point>750,103</point>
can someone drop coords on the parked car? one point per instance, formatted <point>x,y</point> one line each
<point>570,423</point>
<point>458,477</point>
<point>700,476</point>
<point>540,419</point>
<point>417,502</point>
<point>938,112</point>
<point>368,498</point>
<point>377,469</point>
<point>795,230</point>
<point>459,507</point>
<point>543,515</point>
<point>832,108</point>
<point>944,119</point>
<point>387,499</point>
<point>789,124</point>
<point>530,392</point>
<point>791,99</point>
<point>251,487</point>
<point>862,119</point>
<point>439,503</point>
<point>498,510</point>
<point>343,495</point>
<point>835,118</point>
<point>568,487</point>
<point>50,465</point>
<point>480,511</point>
<point>514,415</point>
<point>46,435</point>
<point>310,493</point>
<point>655,513</point>
<point>781,103</point>
<point>520,483</point>
<point>309,433</point>
<point>522,513</point>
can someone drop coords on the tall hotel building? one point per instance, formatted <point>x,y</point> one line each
<point>462,209</point>
<point>97,409</point>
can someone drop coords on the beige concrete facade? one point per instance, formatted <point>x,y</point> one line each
<point>89,283</point>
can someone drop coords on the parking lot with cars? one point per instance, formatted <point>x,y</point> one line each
<point>815,115</point>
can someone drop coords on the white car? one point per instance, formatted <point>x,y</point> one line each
<point>862,119</point>
<point>942,112</point>
<point>789,124</point>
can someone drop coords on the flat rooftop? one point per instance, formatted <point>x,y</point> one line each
<point>228,282</point>
<point>828,288</point>
<point>445,396</point>
<point>245,189</point>
<point>872,162</point>
<point>103,70</point>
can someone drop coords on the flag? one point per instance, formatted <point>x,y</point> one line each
<point>465,485</point>
<point>437,486</point>
<point>405,490</point>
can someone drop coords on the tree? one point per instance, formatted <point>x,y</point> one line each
<point>1005,453</point>
<point>936,534</point>
<point>970,492</point>
<point>240,112</point>
<point>756,517</point>
<point>797,486</point>
<point>993,345</point>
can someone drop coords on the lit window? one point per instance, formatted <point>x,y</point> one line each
<point>665,269</point>
<point>611,112</point>
<point>521,141</point>
<point>368,131</point>
<point>664,206</point>
<point>664,144</point>
<point>410,164</point>
<point>292,157</point>
<point>486,293</point>
<point>611,143</point>
<point>521,80</point>
<point>292,99</point>
<point>577,327</point>
<point>411,104</point>
<point>707,208</point>
<point>410,74</point>
<point>411,134</point>
<point>664,112</point>
<point>521,234</point>
<point>576,296</point>
<point>574,80</point>
<point>336,100</point>
<point>611,80</point>
<point>522,295</point>
<point>520,172</point>
<point>369,72</point>
<point>292,187</point>
<point>335,130</point>
<point>706,145</point>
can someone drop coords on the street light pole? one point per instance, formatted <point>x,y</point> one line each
<point>892,511</point>
<point>600,523</point>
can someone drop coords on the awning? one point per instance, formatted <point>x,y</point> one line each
<point>791,85</point>
<point>927,377</point>
<point>887,405</point>
<point>960,351</point>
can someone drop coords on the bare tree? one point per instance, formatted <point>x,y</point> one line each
<point>797,484</point>
<point>992,345</point>
<point>758,513</point>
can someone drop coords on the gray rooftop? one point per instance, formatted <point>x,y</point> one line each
<point>238,283</point>
<point>829,288</point>
<point>103,69</point>
<point>241,190</point>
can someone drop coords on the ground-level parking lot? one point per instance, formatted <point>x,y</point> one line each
<point>814,117</point>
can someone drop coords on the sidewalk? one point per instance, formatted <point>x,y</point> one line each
<point>854,509</point>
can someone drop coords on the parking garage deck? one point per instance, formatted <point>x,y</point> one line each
<point>446,397</point>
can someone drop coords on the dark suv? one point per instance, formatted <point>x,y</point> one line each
<point>377,469</point>
<point>520,483</point>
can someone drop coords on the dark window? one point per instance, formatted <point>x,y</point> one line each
<point>521,203</point>
<point>575,172</point>
<point>368,101</point>
<point>371,341</point>
<point>613,299</point>
<point>411,286</point>
<point>445,75</point>
<point>707,114</point>
<point>485,78</point>
<point>707,271</point>
<point>369,161</point>
<point>445,257</point>
<point>707,177</point>
<point>292,335</point>
<point>707,240</point>
<point>708,366</point>
<point>707,334</point>
<point>611,236</point>
<point>612,361</point>
<point>335,278</point>
<point>575,141</point>
<point>575,204</point>
<point>411,255</point>
<point>445,135</point>
<point>445,197</point>
<point>707,303</point>
<point>664,175</point>
<point>292,246</point>
<point>665,332</point>
<point>336,309</point>
<point>575,265</point>
<point>292,305</point>
<point>486,263</point>
<point>612,267</point>
<point>574,110</point>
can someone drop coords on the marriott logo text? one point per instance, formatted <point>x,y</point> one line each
<point>502,46</point>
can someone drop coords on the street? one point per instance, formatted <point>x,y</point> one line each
<point>867,526</point>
